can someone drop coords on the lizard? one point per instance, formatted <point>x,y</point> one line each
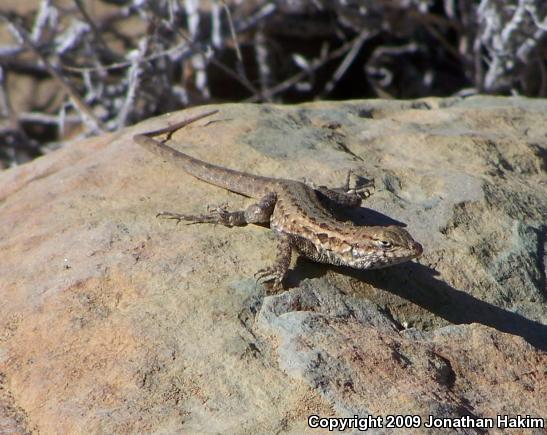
<point>297,213</point>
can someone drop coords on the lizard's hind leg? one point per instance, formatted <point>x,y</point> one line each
<point>257,213</point>
<point>348,195</point>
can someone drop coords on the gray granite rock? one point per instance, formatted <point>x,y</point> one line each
<point>113,321</point>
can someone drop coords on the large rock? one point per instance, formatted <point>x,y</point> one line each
<point>113,321</point>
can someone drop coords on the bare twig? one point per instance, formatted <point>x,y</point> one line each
<point>17,136</point>
<point>5,104</point>
<point>496,45</point>
<point>197,47</point>
<point>313,66</point>
<point>450,49</point>
<point>43,17</point>
<point>264,70</point>
<point>251,22</point>
<point>96,33</point>
<point>133,82</point>
<point>44,118</point>
<point>346,63</point>
<point>240,67</point>
<point>216,23</point>
<point>182,47</point>
<point>86,112</point>
<point>532,10</point>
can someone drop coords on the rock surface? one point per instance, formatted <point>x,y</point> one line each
<point>113,321</point>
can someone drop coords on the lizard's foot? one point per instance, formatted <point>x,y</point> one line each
<point>277,272</point>
<point>218,215</point>
<point>348,195</point>
<point>257,213</point>
<point>271,275</point>
<point>361,188</point>
<point>175,216</point>
<point>307,181</point>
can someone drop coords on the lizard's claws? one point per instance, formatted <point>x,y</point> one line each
<point>361,188</point>
<point>190,219</point>
<point>221,208</point>
<point>169,215</point>
<point>270,274</point>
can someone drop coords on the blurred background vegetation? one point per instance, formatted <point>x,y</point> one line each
<point>71,68</point>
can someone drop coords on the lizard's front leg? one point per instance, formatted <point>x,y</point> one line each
<point>278,271</point>
<point>257,213</point>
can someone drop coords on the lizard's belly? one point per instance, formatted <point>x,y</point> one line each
<point>312,236</point>
<point>292,224</point>
<point>303,238</point>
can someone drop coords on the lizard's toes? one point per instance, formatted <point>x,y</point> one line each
<point>218,209</point>
<point>266,274</point>
<point>362,193</point>
<point>169,215</point>
<point>270,275</point>
<point>275,287</point>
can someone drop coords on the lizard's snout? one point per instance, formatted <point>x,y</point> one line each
<point>418,249</point>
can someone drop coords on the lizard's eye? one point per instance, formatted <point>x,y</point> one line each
<point>385,243</point>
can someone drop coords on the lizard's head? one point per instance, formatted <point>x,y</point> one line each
<point>379,247</point>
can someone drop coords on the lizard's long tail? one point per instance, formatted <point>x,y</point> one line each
<point>235,181</point>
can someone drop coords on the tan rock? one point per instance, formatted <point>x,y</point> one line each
<point>114,321</point>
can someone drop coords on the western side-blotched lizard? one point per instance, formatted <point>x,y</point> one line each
<point>297,213</point>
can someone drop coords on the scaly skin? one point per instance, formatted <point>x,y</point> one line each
<point>295,212</point>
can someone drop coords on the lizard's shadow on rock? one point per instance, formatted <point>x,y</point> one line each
<point>417,284</point>
<point>363,216</point>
